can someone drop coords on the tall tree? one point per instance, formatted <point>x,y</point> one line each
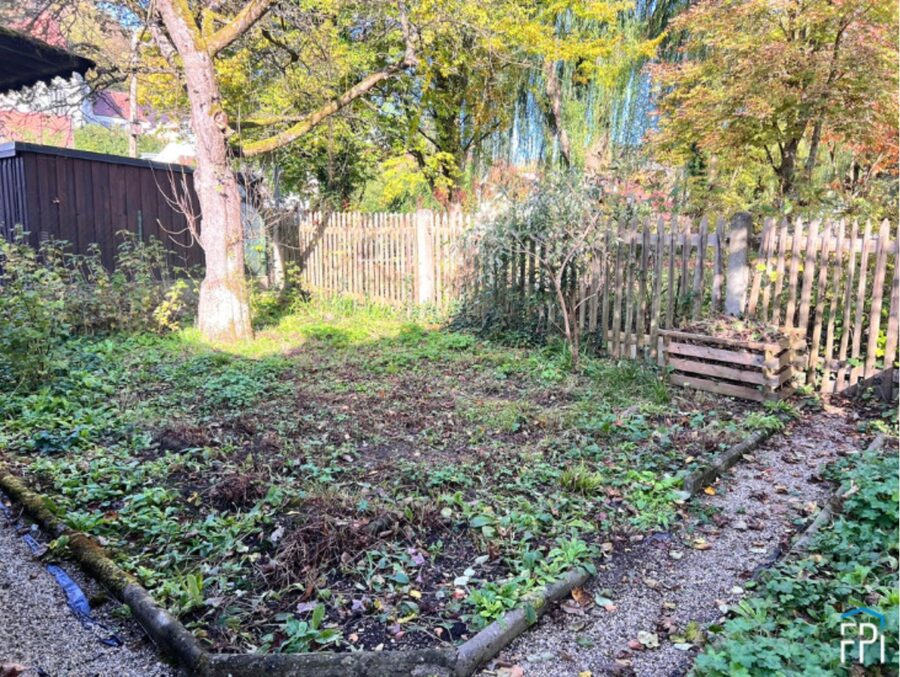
<point>480,57</point>
<point>765,81</point>
<point>193,37</point>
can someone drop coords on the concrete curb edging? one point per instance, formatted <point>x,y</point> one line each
<point>178,642</point>
<point>414,663</point>
<point>694,483</point>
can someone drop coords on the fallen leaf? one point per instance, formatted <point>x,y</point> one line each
<point>683,646</point>
<point>676,554</point>
<point>415,594</point>
<point>585,673</point>
<point>648,639</point>
<point>580,596</point>
<point>12,669</point>
<point>701,544</point>
<point>709,491</point>
<point>635,645</point>
<point>572,608</point>
<point>601,600</point>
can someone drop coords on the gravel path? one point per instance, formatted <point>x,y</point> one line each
<point>671,584</point>
<point>40,632</point>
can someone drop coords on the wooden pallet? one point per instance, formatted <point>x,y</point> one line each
<point>750,370</point>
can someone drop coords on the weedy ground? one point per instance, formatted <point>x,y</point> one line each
<point>351,479</point>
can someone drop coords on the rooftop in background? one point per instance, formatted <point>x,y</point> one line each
<point>25,61</point>
<point>114,104</point>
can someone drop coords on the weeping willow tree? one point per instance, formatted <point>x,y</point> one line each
<point>602,107</point>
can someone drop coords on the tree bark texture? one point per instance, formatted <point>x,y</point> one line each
<point>224,310</point>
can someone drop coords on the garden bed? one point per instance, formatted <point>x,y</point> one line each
<point>350,480</point>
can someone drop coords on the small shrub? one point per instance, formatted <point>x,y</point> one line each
<point>49,294</point>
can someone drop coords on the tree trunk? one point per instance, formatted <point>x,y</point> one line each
<point>813,150</point>
<point>788,167</point>
<point>555,113</point>
<point>224,311</point>
<point>570,325</point>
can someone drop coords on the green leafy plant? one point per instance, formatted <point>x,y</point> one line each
<point>581,479</point>
<point>792,625</point>
<point>756,421</point>
<point>301,636</point>
<point>492,600</point>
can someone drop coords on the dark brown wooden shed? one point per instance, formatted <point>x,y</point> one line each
<point>84,197</point>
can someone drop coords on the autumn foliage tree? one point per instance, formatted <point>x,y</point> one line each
<point>194,37</point>
<point>773,84</point>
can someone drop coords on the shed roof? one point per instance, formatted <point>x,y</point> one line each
<point>25,60</point>
<point>13,148</point>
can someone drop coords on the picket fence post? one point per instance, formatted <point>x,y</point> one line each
<point>737,274</point>
<point>424,256</point>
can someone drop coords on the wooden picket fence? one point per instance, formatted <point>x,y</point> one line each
<point>393,258</point>
<point>836,280</point>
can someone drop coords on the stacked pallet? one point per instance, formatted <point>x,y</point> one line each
<point>748,369</point>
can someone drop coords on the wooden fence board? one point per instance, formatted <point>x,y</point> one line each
<point>821,291</point>
<point>847,316</point>
<point>836,273</point>
<point>856,369</point>
<point>890,344</point>
<point>877,295</point>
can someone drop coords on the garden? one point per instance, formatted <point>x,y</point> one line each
<point>353,477</point>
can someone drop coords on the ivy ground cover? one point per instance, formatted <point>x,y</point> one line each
<point>792,626</point>
<point>351,479</point>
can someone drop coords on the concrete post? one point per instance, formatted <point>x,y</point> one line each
<point>424,256</point>
<point>738,273</point>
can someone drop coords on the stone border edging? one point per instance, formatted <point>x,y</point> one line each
<point>176,640</point>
